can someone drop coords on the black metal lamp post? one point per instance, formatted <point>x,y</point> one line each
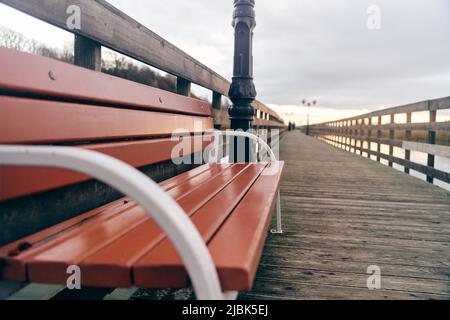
<point>308,104</point>
<point>242,91</point>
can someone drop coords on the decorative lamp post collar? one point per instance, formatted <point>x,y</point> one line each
<point>244,9</point>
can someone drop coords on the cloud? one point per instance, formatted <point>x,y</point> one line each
<point>318,49</point>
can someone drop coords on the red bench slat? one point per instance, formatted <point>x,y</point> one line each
<point>22,181</point>
<point>13,267</point>
<point>50,266</point>
<point>26,73</point>
<point>37,121</point>
<point>119,246</point>
<point>162,267</point>
<point>237,247</point>
<point>116,268</point>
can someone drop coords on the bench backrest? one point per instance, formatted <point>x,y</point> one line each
<point>43,101</point>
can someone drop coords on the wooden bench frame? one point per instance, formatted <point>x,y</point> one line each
<point>160,206</point>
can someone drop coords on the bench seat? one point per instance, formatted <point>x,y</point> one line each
<point>118,245</point>
<point>55,106</point>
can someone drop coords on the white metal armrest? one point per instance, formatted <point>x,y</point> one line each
<point>273,158</point>
<point>253,137</point>
<point>131,182</point>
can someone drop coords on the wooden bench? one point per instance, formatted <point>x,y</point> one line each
<point>61,125</point>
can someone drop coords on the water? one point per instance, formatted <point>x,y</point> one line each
<point>441,163</point>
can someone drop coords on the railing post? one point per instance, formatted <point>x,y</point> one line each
<point>408,138</point>
<point>353,135</point>
<point>379,137</point>
<point>217,110</point>
<point>349,135</point>
<point>361,134</point>
<point>356,135</point>
<point>88,53</point>
<point>369,138</point>
<point>345,134</point>
<point>431,140</point>
<point>242,90</point>
<point>183,87</point>
<point>391,137</point>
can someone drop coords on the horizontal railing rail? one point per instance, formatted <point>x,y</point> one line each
<point>104,25</point>
<point>365,134</point>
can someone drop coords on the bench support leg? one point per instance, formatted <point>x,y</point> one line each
<point>279,229</point>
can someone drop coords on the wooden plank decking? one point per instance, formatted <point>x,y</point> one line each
<point>342,213</point>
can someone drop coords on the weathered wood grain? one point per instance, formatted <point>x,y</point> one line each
<point>429,105</point>
<point>428,169</point>
<point>110,27</point>
<point>342,213</point>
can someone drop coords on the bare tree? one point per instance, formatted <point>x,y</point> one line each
<point>14,40</point>
<point>116,65</point>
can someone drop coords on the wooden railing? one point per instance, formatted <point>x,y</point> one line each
<point>104,25</point>
<point>365,134</point>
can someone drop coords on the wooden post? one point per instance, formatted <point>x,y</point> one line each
<point>431,140</point>
<point>349,136</point>
<point>355,134</point>
<point>361,134</point>
<point>369,135</point>
<point>183,87</point>
<point>352,145</point>
<point>379,137</point>
<point>338,130</point>
<point>88,53</point>
<point>391,137</point>
<point>217,110</point>
<point>408,138</point>
<point>346,135</point>
<point>335,133</point>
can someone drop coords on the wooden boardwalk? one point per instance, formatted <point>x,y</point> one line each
<point>342,213</point>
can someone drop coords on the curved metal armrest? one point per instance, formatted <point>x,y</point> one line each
<point>273,158</point>
<point>253,137</point>
<point>131,182</point>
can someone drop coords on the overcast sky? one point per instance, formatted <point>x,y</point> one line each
<point>308,49</point>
